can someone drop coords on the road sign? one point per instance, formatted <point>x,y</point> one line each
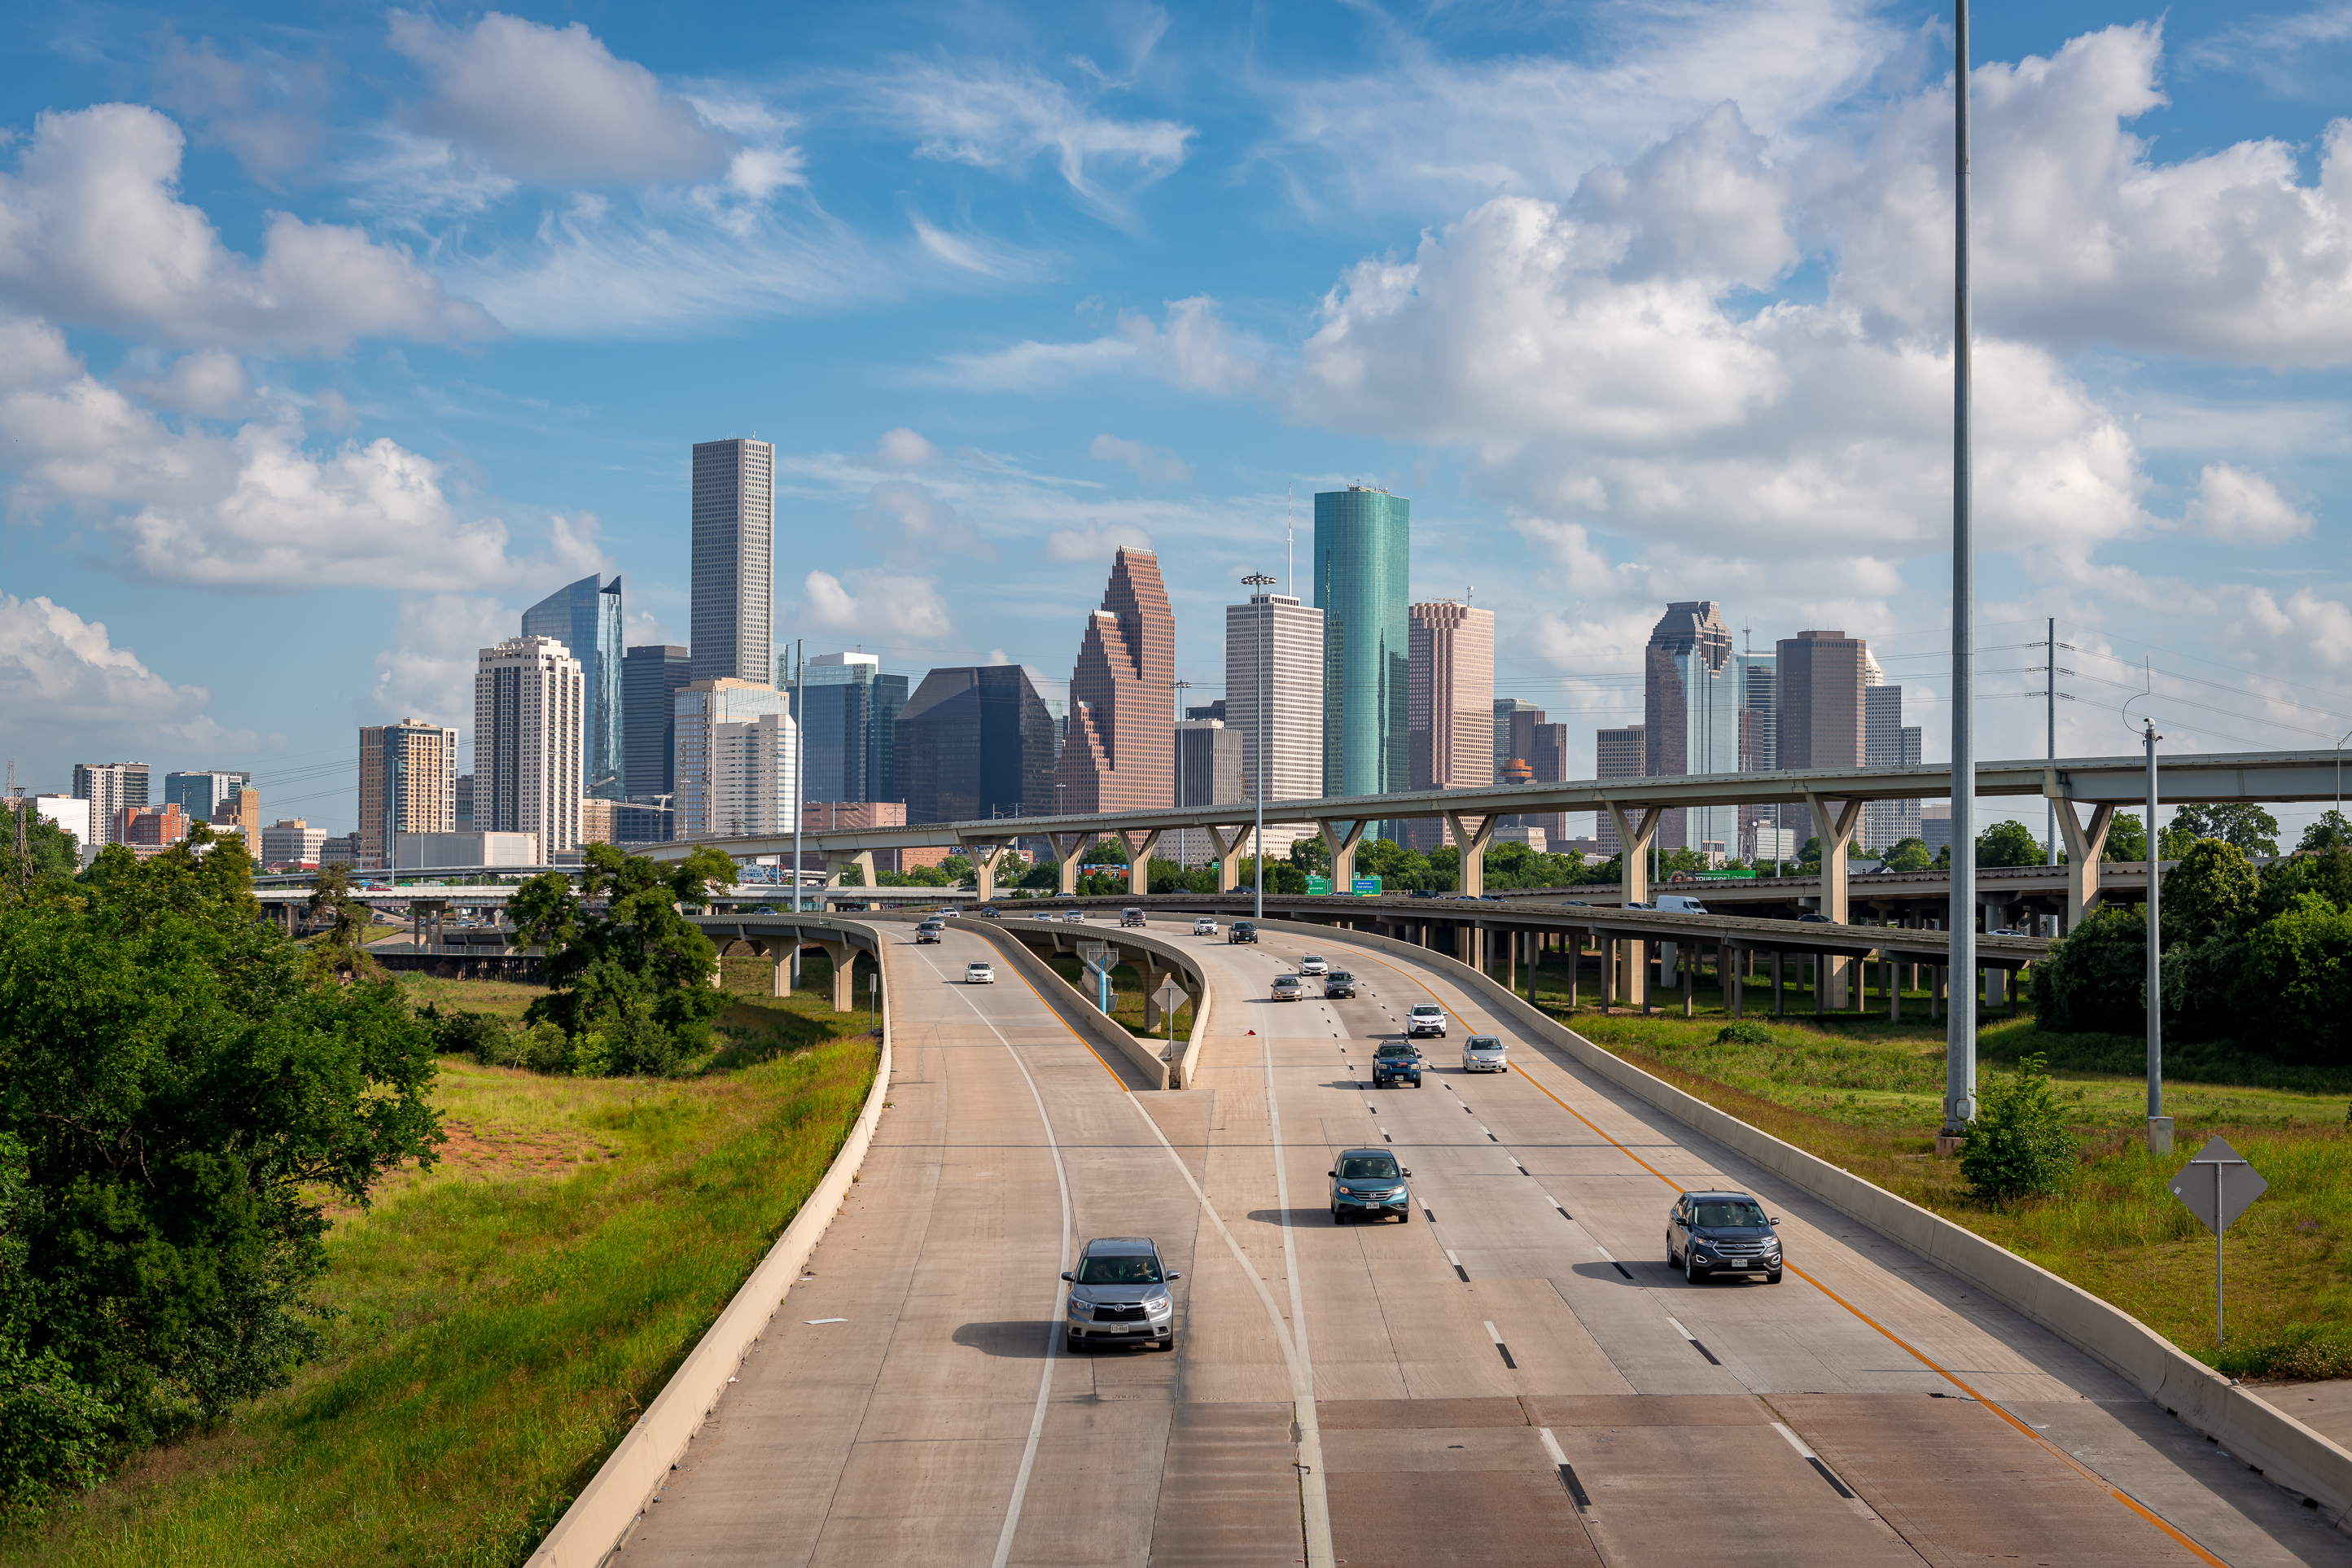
<point>2217,1186</point>
<point>1318,885</point>
<point>1170,996</point>
<point>1367,887</point>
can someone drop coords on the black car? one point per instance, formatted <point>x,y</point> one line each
<point>1423,893</point>
<point>1396,1062</point>
<point>1814,920</point>
<point>1242,931</point>
<point>1339,982</point>
<point>1722,1233</point>
<point>1491,897</point>
<point>988,911</point>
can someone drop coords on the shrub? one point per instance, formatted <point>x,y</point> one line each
<point>2019,1145</point>
<point>1743,1033</point>
<point>2297,993</point>
<point>2096,980</point>
<point>487,1039</point>
<point>639,1046</point>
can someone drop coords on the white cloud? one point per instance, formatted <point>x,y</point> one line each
<point>1195,349</point>
<point>62,676</point>
<point>93,232</point>
<point>903,449</point>
<point>2244,508</point>
<point>552,104</point>
<point>911,525</point>
<point>2306,630</point>
<point>1097,543</point>
<point>269,111</point>
<point>209,383</point>
<point>428,672</point>
<point>1155,463</point>
<point>642,628</point>
<point>878,604</point>
<point>994,117</point>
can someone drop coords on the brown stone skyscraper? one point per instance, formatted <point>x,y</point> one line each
<point>1120,752</point>
<point>1818,694</point>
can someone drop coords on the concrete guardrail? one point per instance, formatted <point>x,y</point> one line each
<point>2266,1440</point>
<point>623,1487</point>
<point>1072,1006</point>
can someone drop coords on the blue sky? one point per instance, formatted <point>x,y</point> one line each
<point>330,337</point>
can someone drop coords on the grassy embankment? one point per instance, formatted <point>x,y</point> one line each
<point>506,1315</point>
<point>1867,1094</point>
<point>1126,999</point>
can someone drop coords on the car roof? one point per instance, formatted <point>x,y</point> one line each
<point>1425,1007</point>
<point>1118,1244</point>
<point>1747,1197</point>
<point>1346,1152</point>
<point>1481,1040</point>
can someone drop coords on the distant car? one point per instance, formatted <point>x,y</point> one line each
<point>1680,904</point>
<point>924,933</point>
<point>1722,1233</point>
<point>1313,963</point>
<point>1369,1184</point>
<point>978,974</point>
<point>1042,916</point>
<point>1471,897</point>
<point>1396,1062</point>
<point>949,912</point>
<point>988,911</point>
<point>1130,916</point>
<point>1242,931</point>
<point>1119,1291</point>
<point>1075,917</point>
<point>1423,893</point>
<point>1491,897</point>
<point>1813,920</point>
<point>1484,1053</point>
<point>1204,926</point>
<point>1424,1018</point>
<point>1287,989</point>
<point>1339,982</point>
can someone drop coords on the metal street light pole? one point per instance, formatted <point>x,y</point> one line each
<point>1960,1041</point>
<point>800,787</point>
<point>2159,1126</point>
<point>1260,735</point>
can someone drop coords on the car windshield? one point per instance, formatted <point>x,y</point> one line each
<point>1369,1168</point>
<point>1398,1048</point>
<point>1482,1043</point>
<point>1283,980</point>
<point>1423,1009</point>
<point>1720,1215</point>
<point>1119,1268</point>
<point>1339,974</point>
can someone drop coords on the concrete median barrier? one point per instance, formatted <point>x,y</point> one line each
<point>1019,945</point>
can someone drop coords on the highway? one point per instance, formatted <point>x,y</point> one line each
<point>1512,1377</point>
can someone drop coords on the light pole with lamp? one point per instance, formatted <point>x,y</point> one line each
<point>1960,1017</point>
<point>1257,582</point>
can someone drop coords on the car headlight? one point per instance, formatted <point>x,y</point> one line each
<point>1081,1309</point>
<point>1158,1306</point>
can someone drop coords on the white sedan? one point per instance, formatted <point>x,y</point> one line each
<point>1204,926</point>
<point>1313,963</point>
<point>978,974</point>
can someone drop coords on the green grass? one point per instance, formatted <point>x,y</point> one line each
<point>1126,998</point>
<point>504,1318</point>
<point>1867,1095</point>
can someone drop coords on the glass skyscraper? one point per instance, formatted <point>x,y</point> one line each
<point>849,722</point>
<point>1690,716</point>
<point>1363,574</point>
<point>975,741</point>
<point>731,627</point>
<point>586,618</point>
<point>652,675</point>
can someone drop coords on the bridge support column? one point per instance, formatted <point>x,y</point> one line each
<point>837,861</point>
<point>1779,994</point>
<point>1342,845</point>
<point>1833,823</point>
<point>1067,847</point>
<point>2085,846</point>
<point>844,962</point>
<point>1636,826</point>
<point>1228,856</point>
<point>984,858</point>
<point>784,958</point>
<point>1138,844</point>
<point>1472,847</point>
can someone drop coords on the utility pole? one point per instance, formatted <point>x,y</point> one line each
<point>800,791</point>
<point>2050,698</point>
<point>1261,740</point>
<point>2159,1125</point>
<point>1960,1018</point>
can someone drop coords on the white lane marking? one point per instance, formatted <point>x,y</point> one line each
<point>1318,1499</point>
<point>1057,1317</point>
<point>1610,1257</point>
<point>1686,1333</point>
<point>1794,1441</point>
<point>814,1320</point>
<point>1493,1335</point>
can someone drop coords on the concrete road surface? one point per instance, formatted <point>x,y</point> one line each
<point>1512,1376</point>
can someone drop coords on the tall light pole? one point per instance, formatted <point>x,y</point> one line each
<point>1961,1042</point>
<point>2159,1126</point>
<point>2050,697</point>
<point>1260,741</point>
<point>800,789</point>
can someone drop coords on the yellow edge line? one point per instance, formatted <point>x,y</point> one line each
<point>1056,1016</point>
<point>2068,1459</point>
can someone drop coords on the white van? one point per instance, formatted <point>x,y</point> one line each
<point>1679,904</point>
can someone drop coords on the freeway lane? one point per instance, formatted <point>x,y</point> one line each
<point>1512,1377</point>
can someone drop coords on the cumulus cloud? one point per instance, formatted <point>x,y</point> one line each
<point>92,232</point>
<point>1097,543</point>
<point>269,111</point>
<point>995,117</point>
<point>2243,507</point>
<point>428,672</point>
<point>903,449</point>
<point>554,104</point>
<point>209,383</point>
<point>910,524</point>
<point>1155,463</point>
<point>63,676</point>
<point>2308,629</point>
<point>878,604</point>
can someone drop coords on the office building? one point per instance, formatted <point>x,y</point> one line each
<point>1616,754</point>
<point>1533,750</point>
<point>1208,772</point>
<point>1120,754</point>
<point>201,795</point>
<point>737,757</point>
<point>71,814</point>
<point>651,677</point>
<point>1691,718</point>
<point>1362,570</point>
<point>1936,827</point>
<point>1888,743</point>
<point>462,820</point>
<point>848,712</point>
<point>1273,690</point>
<point>975,741</point>
<point>454,851</point>
<point>290,841</point>
<point>1449,705</point>
<point>408,781</point>
<point>1504,708</point>
<point>109,787</point>
<point>149,830</point>
<point>1217,710</point>
<point>624,822</point>
<point>733,583</point>
<point>1817,688</point>
<point>586,619</point>
<point>530,719</point>
<point>1759,749</point>
<point>340,849</point>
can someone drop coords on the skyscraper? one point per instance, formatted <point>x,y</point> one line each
<point>1817,690</point>
<point>1449,705</point>
<point>1522,736</point>
<point>1616,754</point>
<point>1504,708</point>
<point>849,720</point>
<point>1274,646</point>
<point>738,755</point>
<point>651,677</point>
<point>731,628</point>
<point>202,793</point>
<point>1362,578</point>
<point>586,619</point>
<point>1760,748</point>
<point>408,784</point>
<point>1120,753</point>
<point>109,787</point>
<point>1690,716</point>
<point>529,721</point>
<point>1889,742</point>
<point>1208,773</point>
<point>975,741</point>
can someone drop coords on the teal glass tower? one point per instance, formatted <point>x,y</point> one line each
<point>1362,580</point>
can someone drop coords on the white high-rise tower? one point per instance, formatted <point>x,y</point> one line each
<point>530,725</point>
<point>1273,647</point>
<point>731,625</point>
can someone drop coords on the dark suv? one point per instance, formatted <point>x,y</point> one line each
<point>1339,982</point>
<point>1396,1062</point>
<point>1722,1233</point>
<point>1242,931</point>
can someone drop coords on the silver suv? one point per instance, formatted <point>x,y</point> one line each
<point>1118,1292</point>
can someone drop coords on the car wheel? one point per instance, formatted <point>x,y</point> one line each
<point>1336,1217</point>
<point>1671,1262</point>
<point>1771,1276</point>
<point>1168,1343</point>
<point>1690,1267</point>
<point>1073,1343</point>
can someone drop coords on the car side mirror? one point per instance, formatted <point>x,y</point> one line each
<point>1066,1274</point>
<point>1408,1172</point>
<point>1333,1174</point>
<point>1172,1275</point>
<point>1775,1219</point>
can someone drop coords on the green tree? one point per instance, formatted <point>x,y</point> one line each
<point>2096,980</point>
<point>2296,990</point>
<point>178,1101</point>
<point>1810,852</point>
<point>2212,891</point>
<point>2008,844</point>
<point>628,975</point>
<point>1908,855</point>
<point>2330,831</point>
<point>2019,1144</point>
<point>2249,828</point>
<point>340,950</point>
<point>2127,840</point>
<point>1311,856</point>
<point>51,854</point>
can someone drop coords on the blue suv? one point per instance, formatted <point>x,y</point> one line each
<point>1396,1062</point>
<point>1369,1184</point>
